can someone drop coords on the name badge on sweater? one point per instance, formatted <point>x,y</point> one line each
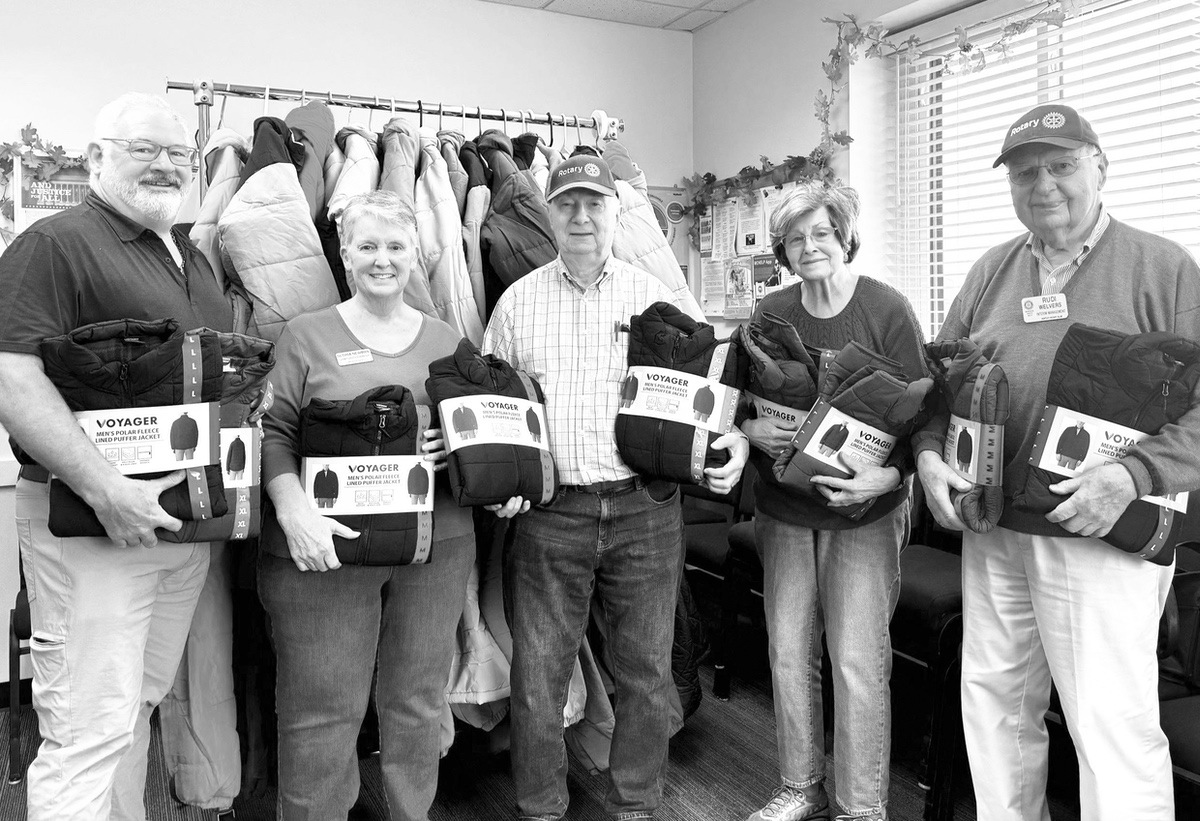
<point>1044,308</point>
<point>345,358</point>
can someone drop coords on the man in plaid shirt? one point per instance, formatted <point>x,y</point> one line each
<point>607,531</point>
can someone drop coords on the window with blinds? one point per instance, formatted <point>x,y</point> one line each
<point>1130,66</point>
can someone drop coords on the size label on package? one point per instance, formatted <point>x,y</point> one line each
<point>659,393</point>
<point>781,415</point>
<point>490,419</point>
<point>1069,442</point>
<point>349,485</point>
<point>975,451</point>
<point>161,437</point>
<point>828,435</point>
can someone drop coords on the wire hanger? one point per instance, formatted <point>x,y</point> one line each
<point>479,117</point>
<point>371,115</point>
<point>266,101</point>
<point>439,116</point>
<point>578,136</point>
<point>550,122</point>
<point>504,121</point>
<point>420,114</point>
<point>303,97</point>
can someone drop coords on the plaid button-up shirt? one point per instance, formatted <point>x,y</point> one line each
<point>568,338</point>
<point>1054,278</point>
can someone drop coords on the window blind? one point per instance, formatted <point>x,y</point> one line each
<point>1130,66</point>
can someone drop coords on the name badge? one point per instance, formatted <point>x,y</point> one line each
<point>345,358</point>
<point>1044,308</point>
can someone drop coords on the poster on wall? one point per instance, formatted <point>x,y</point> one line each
<point>724,216</point>
<point>712,287</point>
<point>751,227</point>
<point>706,236</point>
<point>42,198</point>
<point>739,287</point>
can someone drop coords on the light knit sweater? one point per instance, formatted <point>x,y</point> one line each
<point>1131,282</point>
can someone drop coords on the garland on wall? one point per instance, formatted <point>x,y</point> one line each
<point>870,42</point>
<point>40,160</point>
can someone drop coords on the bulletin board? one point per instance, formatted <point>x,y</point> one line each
<point>737,266</point>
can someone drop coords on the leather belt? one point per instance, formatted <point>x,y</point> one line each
<point>34,473</point>
<point>616,486</point>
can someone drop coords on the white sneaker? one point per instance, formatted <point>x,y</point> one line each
<point>794,804</point>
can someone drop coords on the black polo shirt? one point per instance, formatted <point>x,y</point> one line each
<point>93,264</point>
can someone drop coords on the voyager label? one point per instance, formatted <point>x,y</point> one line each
<point>489,419</point>
<point>364,485</point>
<point>161,437</point>
<point>660,393</point>
<point>781,415</point>
<point>1069,442</point>
<point>975,451</point>
<point>828,435</point>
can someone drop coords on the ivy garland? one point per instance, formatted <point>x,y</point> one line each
<point>853,41</point>
<point>40,160</point>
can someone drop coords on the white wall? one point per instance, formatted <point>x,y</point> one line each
<point>58,73</point>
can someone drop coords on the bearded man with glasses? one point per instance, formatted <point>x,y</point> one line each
<point>1043,596</point>
<point>110,615</point>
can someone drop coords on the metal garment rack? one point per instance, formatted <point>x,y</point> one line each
<point>205,91</point>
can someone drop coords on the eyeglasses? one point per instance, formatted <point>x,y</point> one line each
<point>1062,167</point>
<point>146,151</point>
<point>820,235</point>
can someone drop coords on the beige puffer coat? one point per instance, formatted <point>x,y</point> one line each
<point>360,172</point>
<point>223,156</point>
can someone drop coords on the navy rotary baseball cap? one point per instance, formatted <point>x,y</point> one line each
<point>583,171</point>
<point>1053,124</point>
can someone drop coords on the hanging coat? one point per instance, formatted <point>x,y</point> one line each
<point>401,149</point>
<point>439,236</point>
<point>479,200</point>
<point>224,154</point>
<point>334,163</point>
<point>450,143</point>
<point>360,174</point>
<point>539,167</point>
<point>312,125</point>
<point>269,236</point>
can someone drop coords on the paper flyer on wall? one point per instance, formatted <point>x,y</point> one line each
<point>241,464</point>
<point>1069,442</point>
<point>752,229</point>
<point>660,393</point>
<point>706,236</point>
<point>348,485</point>
<point>712,286</point>
<point>160,437</point>
<point>489,419</point>
<point>739,288</point>
<point>828,435</point>
<point>724,215</point>
<point>975,451</point>
<point>780,414</point>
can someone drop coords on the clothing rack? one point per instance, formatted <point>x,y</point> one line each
<point>205,91</point>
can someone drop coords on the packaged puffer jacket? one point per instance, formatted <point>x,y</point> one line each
<point>975,391</point>
<point>868,392</point>
<point>232,370</point>
<point>384,421</point>
<point>678,449</point>
<point>491,472</point>
<point>1137,381</point>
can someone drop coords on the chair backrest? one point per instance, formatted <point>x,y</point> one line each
<point>737,505</point>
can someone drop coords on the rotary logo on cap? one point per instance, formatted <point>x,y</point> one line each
<point>592,170</point>
<point>1054,119</point>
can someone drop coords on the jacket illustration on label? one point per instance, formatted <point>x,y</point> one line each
<point>834,438</point>
<point>325,487</point>
<point>185,434</point>
<point>965,447</point>
<point>1072,447</point>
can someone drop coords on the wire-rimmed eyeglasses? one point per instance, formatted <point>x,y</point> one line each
<point>147,151</point>
<point>1061,167</point>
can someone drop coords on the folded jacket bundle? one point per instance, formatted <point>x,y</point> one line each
<point>870,388</point>
<point>782,372</point>
<point>383,421</point>
<point>975,390</point>
<point>673,450</point>
<point>136,364</point>
<point>490,472</point>
<point>1140,381</point>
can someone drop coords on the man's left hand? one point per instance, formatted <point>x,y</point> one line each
<point>722,479</point>
<point>866,482</point>
<point>1097,498</point>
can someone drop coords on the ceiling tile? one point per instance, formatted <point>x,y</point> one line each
<point>725,5</point>
<point>529,4</point>
<point>694,20</point>
<point>635,12</point>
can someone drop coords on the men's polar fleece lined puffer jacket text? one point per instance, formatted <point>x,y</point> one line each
<point>663,336</point>
<point>384,421</point>
<point>872,389</point>
<point>1141,381</point>
<point>491,472</point>
<point>137,364</point>
<point>976,390</point>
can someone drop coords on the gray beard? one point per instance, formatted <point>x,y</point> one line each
<point>159,205</point>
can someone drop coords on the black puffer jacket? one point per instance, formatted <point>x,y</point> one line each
<point>977,390</point>
<point>663,336</point>
<point>1141,381</point>
<point>870,388</point>
<point>235,366</point>
<point>490,473</point>
<point>384,421</point>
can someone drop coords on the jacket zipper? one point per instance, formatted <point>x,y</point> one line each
<point>364,532</point>
<point>1145,405</point>
<point>126,388</point>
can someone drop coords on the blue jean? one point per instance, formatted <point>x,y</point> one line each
<point>627,547</point>
<point>327,629</point>
<point>843,583</point>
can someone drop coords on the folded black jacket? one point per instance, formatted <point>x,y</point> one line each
<point>86,366</point>
<point>384,421</point>
<point>973,389</point>
<point>663,336</point>
<point>872,389</point>
<point>1141,381</point>
<point>490,473</point>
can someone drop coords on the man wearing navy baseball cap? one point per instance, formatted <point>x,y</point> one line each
<point>1043,597</point>
<point>607,530</point>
